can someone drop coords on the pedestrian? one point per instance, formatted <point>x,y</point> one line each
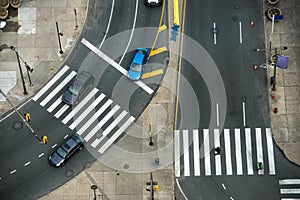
<point>27,117</point>
<point>217,150</point>
<point>44,139</point>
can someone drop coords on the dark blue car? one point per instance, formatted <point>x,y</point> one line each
<point>135,70</point>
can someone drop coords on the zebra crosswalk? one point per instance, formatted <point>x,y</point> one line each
<point>240,151</point>
<point>93,113</point>
<point>289,189</point>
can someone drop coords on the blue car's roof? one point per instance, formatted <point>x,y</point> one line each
<point>138,58</point>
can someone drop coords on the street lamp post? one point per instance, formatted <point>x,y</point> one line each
<point>20,68</point>
<point>94,187</point>
<point>274,75</point>
<point>58,35</point>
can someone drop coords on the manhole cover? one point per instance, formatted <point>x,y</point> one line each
<point>234,18</point>
<point>18,125</point>
<point>69,173</point>
<point>126,166</point>
<point>87,165</point>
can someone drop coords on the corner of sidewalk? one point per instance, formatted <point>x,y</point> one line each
<point>285,106</point>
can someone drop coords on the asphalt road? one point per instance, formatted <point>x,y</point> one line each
<point>25,172</point>
<point>234,58</point>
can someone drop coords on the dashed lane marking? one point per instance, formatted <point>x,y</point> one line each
<point>13,171</point>
<point>26,164</point>
<point>54,146</point>
<point>41,155</point>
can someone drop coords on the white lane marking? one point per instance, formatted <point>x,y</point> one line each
<point>217,156</point>
<point>270,151</point>
<point>289,182</point>
<point>116,135</point>
<point>244,114</point>
<point>259,148</point>
<point>54,146</point>
<point>179,187</point>
<point>249,151</point>
<point>218,120</point>
<point>58,88</point>
<point>177,153</point>
<point>94,117</point>
<point>50,83</point>
<point>186,153</point>
<point>61,111</point>
<point>238,152</point>
<point>241,37</point>
<point>206,152</point>
<point>223,186</point>
<point>215,34</point>
<point>114,64</point>
<point>132,30</point>
<point>26,164</point>
<point>66,136</point>
<point>289,198</point>
<point>55,104</point>
<point>109,128</point>
<point>13,171</point>
<point>227,152</point>
<point>231,198</point>
<point>196,152</point>
<point>86,111</point>
<point>79,106</point>
<point>108,25</point>
<point>41,155</point>
<point>101,123</point>
<point>290,191</point>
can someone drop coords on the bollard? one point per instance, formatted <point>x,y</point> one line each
<point>275,110</point>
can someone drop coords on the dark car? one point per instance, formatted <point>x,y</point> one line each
<point>78,89</point>
<point>66,150</point>
<point>153,3</point>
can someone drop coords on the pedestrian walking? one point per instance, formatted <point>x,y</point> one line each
<point>44,139</point>
<point>27,117</point>
<point>217,150</point>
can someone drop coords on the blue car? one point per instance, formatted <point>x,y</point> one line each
<point>136,67</point>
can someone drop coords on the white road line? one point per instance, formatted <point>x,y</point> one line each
<point>244,114</point>
<point>186,153</point>
<point>110,127</point>
<point>177,153</point>
<point>227,152</point>
<point>114,64</point>
<point>180,189</point>
<point>101,123</point>
<point>290,191</point>
<point>241,37</point>
<point>66,136</point>
<point>238,152</point>
<point>58,88</point>
<point>217,156</point>
<point>80,105</point>
<point>116,135</point>
<point>218,120</point>
<point>55,104</point>
<point>259,148</point>
<point>26,164</point>
<point>132,30</point>
<point>50,83</point>
<point>289,182</point>
<point>270,151</point>
<point>54,146</point>
<point>41,155</point>
<point>87,111</point>
<point>108,25</point>
<point>223,186</point>
<point>13,171</point>
<point>289,198</point>
<point>94,117</point>
<point>249,151</point>
<point>196,153</point>
<point>206,152</point>
<point>61,111</point>
<point>215,34</point>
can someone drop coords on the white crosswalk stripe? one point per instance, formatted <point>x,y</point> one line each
<point>290,189</point>
<point>235,158</point>
<point>86,114</point>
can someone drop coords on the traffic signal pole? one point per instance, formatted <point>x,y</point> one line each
<point>23,119</point>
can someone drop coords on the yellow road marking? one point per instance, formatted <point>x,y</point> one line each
<point>179,65</point>
<point>157,51</point>
<point>162,27</point>
<point>176,12</point>
<point>153,73</point>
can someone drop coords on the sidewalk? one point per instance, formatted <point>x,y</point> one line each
<point>286,122</point>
